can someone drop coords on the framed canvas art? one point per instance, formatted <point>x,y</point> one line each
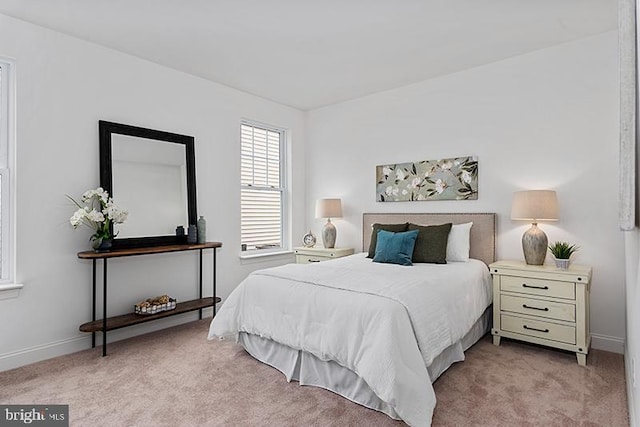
<point>444,179</point>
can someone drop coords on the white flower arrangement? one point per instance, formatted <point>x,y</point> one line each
<point>97,212</point>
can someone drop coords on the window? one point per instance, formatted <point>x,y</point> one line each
<point>262,187</point>
<point>6,131</point>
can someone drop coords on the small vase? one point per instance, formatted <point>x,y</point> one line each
<point>202,230</point>
<point>192,234</point>
<point>100,244</point>
<point>562,263</point>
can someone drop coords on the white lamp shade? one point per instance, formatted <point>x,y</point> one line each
<point>328,208</point>
<point>535,205</point>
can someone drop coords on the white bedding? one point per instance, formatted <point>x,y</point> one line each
<point>384,322</point>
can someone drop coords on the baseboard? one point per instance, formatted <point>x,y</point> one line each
<point>607,343</point>
<point>46,351</point>
<point>38,353</point>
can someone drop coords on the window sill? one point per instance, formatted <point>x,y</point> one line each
<point>10,290</point>
<point>244,256</point>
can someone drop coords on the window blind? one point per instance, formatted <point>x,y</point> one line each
<point>261,187</point>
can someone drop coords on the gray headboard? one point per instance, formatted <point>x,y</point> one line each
<point>483,231</point>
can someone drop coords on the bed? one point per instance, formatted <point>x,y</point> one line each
<point>376,333</point>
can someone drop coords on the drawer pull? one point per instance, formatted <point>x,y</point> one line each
<point>524,285</point>
<point>535,308</point>
<point>535,329</point>
<point>313,260</point>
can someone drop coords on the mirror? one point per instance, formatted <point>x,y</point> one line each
<point>151,174</point>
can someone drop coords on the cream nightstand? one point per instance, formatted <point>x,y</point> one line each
<point>543,305</point>
<point>307,255</point>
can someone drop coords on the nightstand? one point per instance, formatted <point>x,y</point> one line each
<point>542,304</point>
<point>308,255</point>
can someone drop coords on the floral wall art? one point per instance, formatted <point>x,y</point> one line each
<point>445,179</point>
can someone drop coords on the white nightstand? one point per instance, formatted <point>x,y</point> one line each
<point>542,304</point>
<point>308,255</point>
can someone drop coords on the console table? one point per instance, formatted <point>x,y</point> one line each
<point>110,323</point>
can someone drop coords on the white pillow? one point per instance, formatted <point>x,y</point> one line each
<point>458,242</point>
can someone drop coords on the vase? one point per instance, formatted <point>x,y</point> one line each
<point>562,263</point>
<point>202,230</point>
<point>192,234</point>
<point>100,244</point>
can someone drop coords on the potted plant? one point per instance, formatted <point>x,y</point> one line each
<point>561,252</point>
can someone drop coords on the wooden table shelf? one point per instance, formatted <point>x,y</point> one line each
<point>116,322</point>
<point>148,250</point>
<point>125,320</point>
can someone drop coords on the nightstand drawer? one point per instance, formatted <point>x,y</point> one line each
<point>549,288</point>
<point>308,259</point>
<point>536,307</point>
<point>539,329</point>
<point>311,255</point>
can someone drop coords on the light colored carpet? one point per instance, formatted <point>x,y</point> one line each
<point>176,377</point>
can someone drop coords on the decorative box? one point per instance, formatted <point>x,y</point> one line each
<point>153,306</point>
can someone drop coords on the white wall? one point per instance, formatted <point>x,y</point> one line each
<point>64,86</point>
<point>545,120</point>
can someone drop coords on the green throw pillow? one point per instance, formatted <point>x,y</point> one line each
<point>431,244</point>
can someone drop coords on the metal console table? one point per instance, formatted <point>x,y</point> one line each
<point>110,323</point>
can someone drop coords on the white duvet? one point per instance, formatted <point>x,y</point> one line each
<point>385,322</point>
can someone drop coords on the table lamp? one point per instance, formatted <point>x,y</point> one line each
<point>534,206</point>
<point>329,208</point>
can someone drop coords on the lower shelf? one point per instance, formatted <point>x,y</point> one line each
<point>125,320</point>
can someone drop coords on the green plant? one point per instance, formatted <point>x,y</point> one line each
<point>562,250</point>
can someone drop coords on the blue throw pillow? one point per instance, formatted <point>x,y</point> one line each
<point>395,248</point>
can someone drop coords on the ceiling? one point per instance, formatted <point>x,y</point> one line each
<point>308,54</point>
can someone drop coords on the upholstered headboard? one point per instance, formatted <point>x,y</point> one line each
<point>483,231</point>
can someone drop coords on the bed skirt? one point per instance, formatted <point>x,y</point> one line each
<point>307,369</point>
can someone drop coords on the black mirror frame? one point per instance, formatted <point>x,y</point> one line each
<point>106,129</point>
